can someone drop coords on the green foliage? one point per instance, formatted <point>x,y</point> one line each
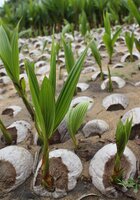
<point>83,23</point>
<point>9,52</point>
<point>129,39</point>
<point>130,183</point>
<point>42,15</point>
<point>69,56</point>
<point>134,10</point>
<point>66,94</point>
<point>9,55</point>
<point>67,27</point>
<point>52,75</point>
<point>97,56</point>
<point>74,119</point>
<point>50,112</point>
<point>122,136</point>
<point>110,86</point>
<point>108,38</point>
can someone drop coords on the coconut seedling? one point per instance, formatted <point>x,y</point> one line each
<point>9,54</point>
<point>122,136</point>
<point>114,162</point>
<point>50,111</point>
<point>74,119</point>
<point>97,56</point>
<point>129,39</point>
<point>109,39</point>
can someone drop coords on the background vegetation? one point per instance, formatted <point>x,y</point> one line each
<point>42,15</point>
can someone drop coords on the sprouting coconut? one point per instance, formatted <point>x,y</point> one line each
<point>113,162</point>
<point>49,112</point>
<point>65,167</point>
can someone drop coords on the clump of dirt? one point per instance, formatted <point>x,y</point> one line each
<point>128,59</point>
<point>59,172</point>
<point>135,132</point>
<point>8,111</point>
<point>115,107</point>
<point>7,175</point>
<point>86,149</point>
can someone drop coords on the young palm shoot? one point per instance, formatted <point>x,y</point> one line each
<point>129,39</point>
<point>9,54</point>
<point>122,136</point>
<point>109,39</point>
<point>97,56</point>
<point>49,111</point>
<point>6,135</point>
<point>74,119</point>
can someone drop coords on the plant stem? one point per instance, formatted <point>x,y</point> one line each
<point>117,163</point>
<point>110,87</point>
<point>101,73</point>
<point>47,179</point>
<point>28,106</point>
<point>110,60</point>
<point>117,172</point>
<point>6,134</point>
<point>131,57</point>
<point>75,142</point>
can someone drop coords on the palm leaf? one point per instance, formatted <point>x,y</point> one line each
<point>34,89</point>
<point>134,10</point>
<point>129,39</point>
<point>75,117</point>
<point>6,51</point>
<point>52,75</point>
<point>66,94</point>
<point>108,43</point>
<point>107,24</point>
<point>69,57</point>
<point>96,53</point>
<point>31,74</point>
<point>15,54</point>
<point>115,36</point>
<point>47,105</point>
